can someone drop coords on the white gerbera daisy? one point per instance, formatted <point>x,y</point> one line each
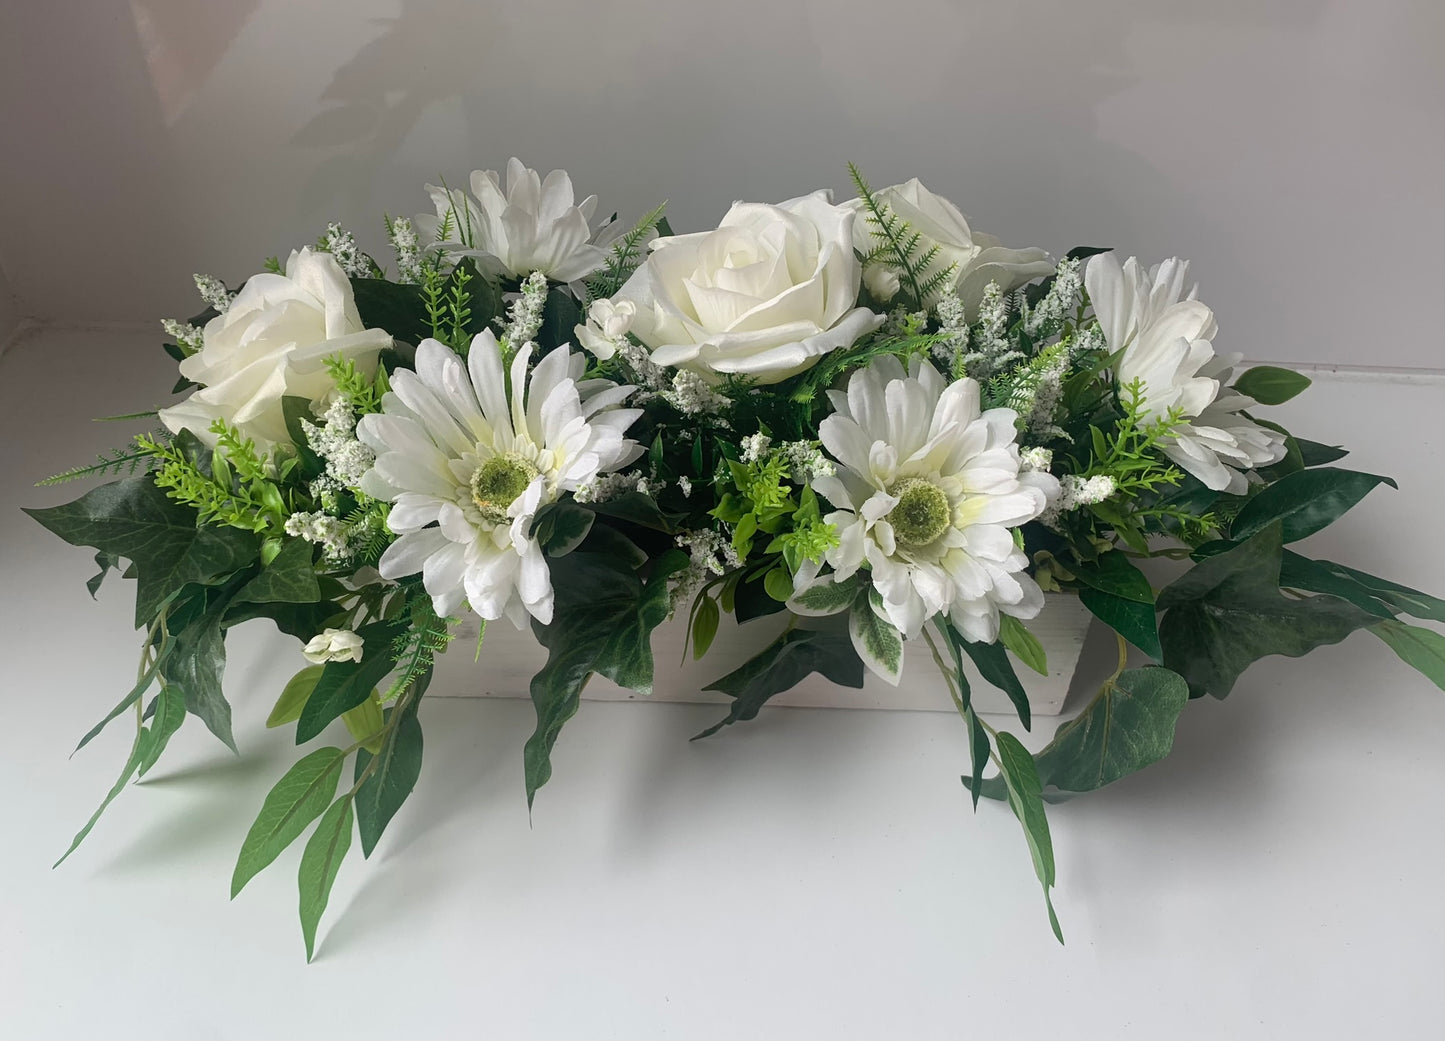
<point>466,470</point>
<point>1165,338</point>
<point>927,488</point>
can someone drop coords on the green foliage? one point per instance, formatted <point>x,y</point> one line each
<point>302,795</point>
<point>991,661</point>
<point>1305,502</point>
<point>1270,385</point>
<point>1025,646</point>
<point>320,863</point>
<point>876,640</point>
<point>345,684</point>
<point>626,255</point>
<point>1117,593</point>
<point>230,488</point>
<point>781,666</point>
<point>294,696</point>
<point>387,773</point>
<point>602,622</point>
<point>115,462</point>
<point>900,247</point>
<point>1025,798</point>
<point>363,393</point>
<point>1421,649</point>
<point>1228,612</point>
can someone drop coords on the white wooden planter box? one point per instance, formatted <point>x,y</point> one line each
<point>510,658</point>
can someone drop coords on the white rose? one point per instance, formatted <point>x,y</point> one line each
<point>273,342</point>
<point>333,645</point>
<point>767,294</point>
<point>608,321</point>
<point>533,226</point>
<point>978,258</point>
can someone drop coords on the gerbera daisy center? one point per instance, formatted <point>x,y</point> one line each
<point>497,483</point>
<point>922,513</point>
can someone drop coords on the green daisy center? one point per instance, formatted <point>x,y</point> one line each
<point>922,513</point>
<point>498,482</point>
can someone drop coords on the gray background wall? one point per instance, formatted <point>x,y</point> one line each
<point>1294,149</point>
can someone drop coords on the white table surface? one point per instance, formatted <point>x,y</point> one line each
<point>816,873</point>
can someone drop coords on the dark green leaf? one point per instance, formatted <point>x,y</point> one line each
<point>1271,385</point>
<point>978,749</point>
<point>1132,620</point>
<point>1025,798</point>
<point>635,507</point>
<point>397,769</point>
<point>991,661</point>
<point>1402,598</point>
<point>320,862</point>
<point>1315,454</point>
<point>1115,574</point>
<point>1318,576</point>
<point>139,750</point>
<point>1421,649</point>
<point>751,600</point>
<point>105,561</point>
<point>602,622</point>
<point>1227,612</point>
<point>142,684</point>
<point>781,666</point>
<point>394,307</point>
<point>197,665</point>
<point>288,578</point>
<point>296,800</point>
<point>134,519</point>
<point>561,314</point>
<point>1305,502</point>
<point>302,621</point>
<point>294,410</point>
<point>562,526</point>
<point>346,684</point>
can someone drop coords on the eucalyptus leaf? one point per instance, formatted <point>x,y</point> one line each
<point>301,796</point>
<point>320,862</point>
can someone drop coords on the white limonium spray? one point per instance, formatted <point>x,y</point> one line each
<point>466,466</point>
<point>213,291</point>
<point>1163,336</point>
<point>535,225</point>
<point>401,232</point>
<point>928,488</point>
<point>341,244</point>
<point>524,316</point>
<point>190,338</point>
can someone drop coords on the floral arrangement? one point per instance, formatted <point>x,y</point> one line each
<point>868,415</point>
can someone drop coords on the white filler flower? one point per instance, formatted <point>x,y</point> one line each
<point>1165,337</point>
<point>765,295</point>
<point>928,488</point>
<point>977,259</point>
<point>466,469</point>
<point>534,226</point>
<point>273,342</point>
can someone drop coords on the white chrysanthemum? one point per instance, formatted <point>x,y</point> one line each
<point>928,488</point>
<point>466,469</point>
<point>534,226</point>
<point>1165,337</point>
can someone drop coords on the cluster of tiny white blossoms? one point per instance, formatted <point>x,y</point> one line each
<point>213,291</point>
<point>524,315</point>
<point>341,244</point>
<point>609,486</point>
<point>953,325</point>
<point>1039,391</point>
<point>1037,460</point>
<point>1076,492</point>
<point>710,554</point>
<point>755,447</point>
<point>1061,299</point>
<point>992,348</point>
<point>691,394</point>
<point>347,460</point>
<point>190,338</point>
<point>806,461</point>
<point>326,531</point>
<point>410,267</point>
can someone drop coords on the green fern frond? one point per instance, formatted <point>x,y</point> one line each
<point>624,257</point>
<point>899,246</point>
<point>115,462</point>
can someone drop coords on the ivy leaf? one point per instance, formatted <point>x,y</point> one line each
<point>134,519</point>
<point>345,684</point>
<point>397,769</point>
<point>1271,385</point>
<point>637,508</point>
<point>1227,612</point>
<point>602,622</point>
<point>1304,502</point>
<point>1421,649</point>
<point>1025,646</point>
<point>296,800</point>
<point>781,666</point>
<point>289,578</point>
<point>878,643</point>
<point>1134,621</point>
<point>106,562</point>
<point>197,666</point>
<point>320,862</point>
<point>826,597</point>
<point>1025,798</point>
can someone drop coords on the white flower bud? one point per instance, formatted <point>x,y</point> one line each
<point>333,645</point>
<point>882,281</point>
